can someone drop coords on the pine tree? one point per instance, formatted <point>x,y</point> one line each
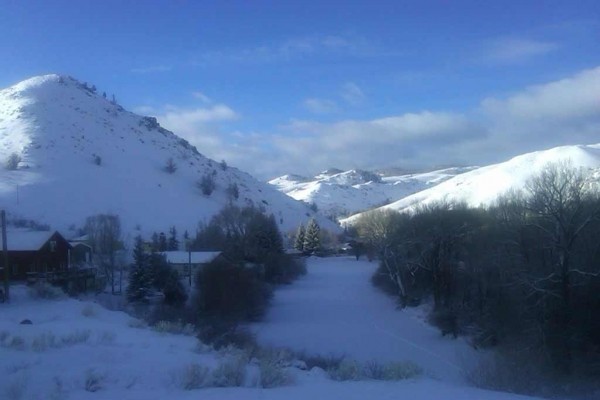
<point>140,276</point>
<point>299,242</point>
<point>312,240</point>
<point>155,242</point>
<point>173,243</point>
<point>162,242</point>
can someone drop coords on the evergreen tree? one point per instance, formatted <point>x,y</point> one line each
<point>312,240</point>
<point>173,243</point>
<point>155,242</point>
<point>299,242</point>
<point>140,275</point>
<point>162,242</point>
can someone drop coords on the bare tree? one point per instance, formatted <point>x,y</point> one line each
<point>561,209</point>
<point>104,233</point>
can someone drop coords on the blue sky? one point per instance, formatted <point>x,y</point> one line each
<point>299,86</point>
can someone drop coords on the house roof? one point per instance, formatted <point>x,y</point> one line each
<point>27,240</point>
<point>73,244</point>
<point>183,257</point>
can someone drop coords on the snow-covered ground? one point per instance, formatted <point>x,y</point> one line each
<point>335,310</point>
<point>332,310</point>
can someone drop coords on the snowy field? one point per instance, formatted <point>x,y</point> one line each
<point>78,350</point>
<point>335,310</point>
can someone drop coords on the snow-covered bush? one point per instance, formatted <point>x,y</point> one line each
<point>16,343</point>
<point>230,373</point>
<point>170,166</point>
<point>93,380</point>
<point>174,327</point>
<point>326,363</point>
<point>107,337</point>
<point>207,184</point>
<point>272,374</point>
<point>12,162</point>
<point>194,376</point>
<point>348,370</point>
<point>396,371</point>
<point>44,342</point>
<point>76,337</point>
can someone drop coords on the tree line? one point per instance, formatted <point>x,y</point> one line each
<point>522,276</point>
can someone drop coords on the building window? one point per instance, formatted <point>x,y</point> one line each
<point>53,246</point>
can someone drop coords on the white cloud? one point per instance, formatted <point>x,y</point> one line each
<point>563,112</point>
<point>517,50</point>
<point>352,94</point>
<point>320,106</point>
<point>202,97</point>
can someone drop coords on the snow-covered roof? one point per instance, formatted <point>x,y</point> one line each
<point>27,240</point>
<point>183,257</point>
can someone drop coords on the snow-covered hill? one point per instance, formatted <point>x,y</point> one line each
<point>483,186</point>
<point>339,193</point>
<point>82,154</point>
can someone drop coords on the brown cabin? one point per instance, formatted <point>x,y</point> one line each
<point>36,252</point>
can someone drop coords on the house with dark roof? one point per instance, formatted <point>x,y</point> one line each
<point>36,252</point>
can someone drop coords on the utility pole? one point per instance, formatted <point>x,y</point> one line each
<point>5,253</point>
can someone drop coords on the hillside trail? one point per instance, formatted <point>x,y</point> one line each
<point>335,310</point>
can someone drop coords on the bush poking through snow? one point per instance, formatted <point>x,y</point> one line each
<point>93,380</point>
<point>58,391</point>
<point>348,370</point>
<point>16,387</point>
<point>12,162</point>
<point>44,342</point>
<point>194,376</point>
<point>16,343</point>
<point>43,290</point>
<point>207,184</point>
<point>88,311</point>
<point>106,337</point>
<point>397,371</point>
<point>272,374</point>
<point>230,373</point>
<point>75,338</point>
<point>326,363</point>
<point>174,327</point>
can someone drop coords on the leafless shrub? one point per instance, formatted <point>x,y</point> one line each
<point>230,373</point>
<point>194,376</point>
<point>93,380</point>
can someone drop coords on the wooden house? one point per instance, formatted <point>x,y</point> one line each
<point>36,252</point>
<point>81,251</point>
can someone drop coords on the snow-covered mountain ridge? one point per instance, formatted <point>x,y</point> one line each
<point>338,193</point>
<point>483,186</point>
<point>81,154</point>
